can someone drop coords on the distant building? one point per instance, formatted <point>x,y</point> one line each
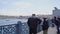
<point>56,12</point>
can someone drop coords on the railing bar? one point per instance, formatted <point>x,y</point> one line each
<point>2,30</point>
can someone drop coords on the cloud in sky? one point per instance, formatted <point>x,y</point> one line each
<point>21,4</point>
<point>14,8</point>
<point>4,2</point>
<point>27,7</point>
<point>15,12</point>
<point>7,12</point>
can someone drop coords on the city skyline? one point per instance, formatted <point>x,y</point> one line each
<point>27,7</point>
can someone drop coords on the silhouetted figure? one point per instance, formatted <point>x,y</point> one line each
<point>45,26</point>
<point>58,26</point>
<point>19,27</point>
<point>33,23</point>
<point>56,21</point>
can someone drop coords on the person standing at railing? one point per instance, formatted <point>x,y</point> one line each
<point>56,21</point>
<point>33,22</point>
<point>45,26</point>
<point>58,26</point>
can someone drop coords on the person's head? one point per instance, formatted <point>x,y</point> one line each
<point>58,18</point>
<point>33,15</point>
<point>54,17</point>
<point>44,18</point>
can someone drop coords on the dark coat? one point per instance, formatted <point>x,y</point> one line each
<point>56,22</point>
<point>33,22</point>
<point>45,25</point>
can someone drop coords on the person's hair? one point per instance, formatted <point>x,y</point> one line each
<point>44,18</point>
<point>33,14</point>
<point>55,17</point>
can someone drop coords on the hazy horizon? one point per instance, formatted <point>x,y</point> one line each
<point>27,7</point>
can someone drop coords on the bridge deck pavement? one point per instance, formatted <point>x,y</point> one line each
<point>50,31</point>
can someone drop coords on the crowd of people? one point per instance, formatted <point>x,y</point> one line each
<point>34,21</point>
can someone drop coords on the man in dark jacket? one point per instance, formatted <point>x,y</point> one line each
<point>58,25</point>
<point>33,23</point>
<point>56,21</point>
<point>45,26</point>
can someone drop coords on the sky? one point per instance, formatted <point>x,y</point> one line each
<point>28,7</point>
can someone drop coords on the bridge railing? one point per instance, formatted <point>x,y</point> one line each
<point>8,29</point>
<point>19,28</point>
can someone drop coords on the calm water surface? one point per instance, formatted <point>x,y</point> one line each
<point>11,21</point>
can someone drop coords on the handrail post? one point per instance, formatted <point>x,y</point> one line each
<point>19,27</point>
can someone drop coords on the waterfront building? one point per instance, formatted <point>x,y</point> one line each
<point>56,12</point>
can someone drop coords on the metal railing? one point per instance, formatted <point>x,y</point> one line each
<point>19,28</point>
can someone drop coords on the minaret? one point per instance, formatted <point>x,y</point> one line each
<point>56,12</point>
<point>56,8</point>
